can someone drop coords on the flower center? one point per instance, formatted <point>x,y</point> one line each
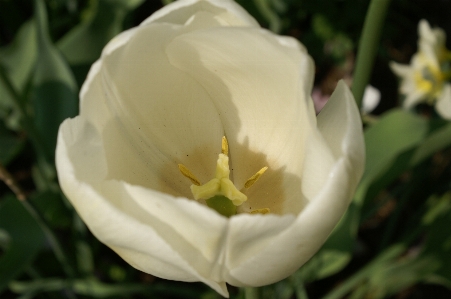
<point>430,79</point>
<point>220,193</point>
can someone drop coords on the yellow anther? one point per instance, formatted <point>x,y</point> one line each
<point>260,211</point>
<point>225,146</point>
<point>255,177</point>
<point>185,171</point>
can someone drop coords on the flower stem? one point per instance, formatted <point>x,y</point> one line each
<point>368,47</point>
<point>11,183</point>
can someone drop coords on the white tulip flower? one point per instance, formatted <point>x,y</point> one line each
<point>427,77</point>
<point>146,154</point>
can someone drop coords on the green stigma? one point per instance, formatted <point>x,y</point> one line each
<point>222,205</point>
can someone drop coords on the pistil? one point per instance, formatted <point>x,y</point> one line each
<point>220,193</point>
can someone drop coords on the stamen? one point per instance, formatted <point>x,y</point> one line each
<point>220,193</point>
<point>185,171</point>
<point>225,146</point>
<point>260,211</point>
<point>255,177</point>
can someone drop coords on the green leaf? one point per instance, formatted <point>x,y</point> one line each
<point>96,289</point>
<point>438,241</point>
<point>26,239</point>
<point>50,205</point>
<point>438,140</point>
<point>53,102</point>
<point>18,60</point>
<point>395,133</point>
<point>10,146</point>
<point>54,94</point>
<point>84,43</point>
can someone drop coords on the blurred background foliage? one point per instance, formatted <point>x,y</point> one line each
<point>394,241</point>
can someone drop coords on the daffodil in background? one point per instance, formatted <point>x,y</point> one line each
<point>427,77</point>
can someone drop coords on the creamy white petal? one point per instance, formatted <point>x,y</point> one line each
<point>340,135</point>
<point>286,251</point>
<point>178,12</point>
<point>162,114</point>
<point>340,124</point>
<point>168,91</point>
<point>261,96</point>
<point>443,105</point>
<point>93,99</point>
<point>135,221</point>
<point>247,236</point>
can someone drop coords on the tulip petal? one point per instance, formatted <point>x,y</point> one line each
<point>163,122</point>
<point>178,12</point>
<point>93,99</point>
<point>286,251</point>
<point>340,136</point>
<point>168,91</point>
<point>134,221</point>
<point>341,126</point>
<point>262,98</point>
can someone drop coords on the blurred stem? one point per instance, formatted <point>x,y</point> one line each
<point>251,293</point>
<point>301,293</point>
<point>369,119</point>
<point>27,121</point>
<point>268,13</point>
<point>368,46</point>
<point>11,183</point>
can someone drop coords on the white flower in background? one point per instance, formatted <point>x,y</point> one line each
<point>427,77</point>
<point>371,98</point>
<point>153,112</point>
